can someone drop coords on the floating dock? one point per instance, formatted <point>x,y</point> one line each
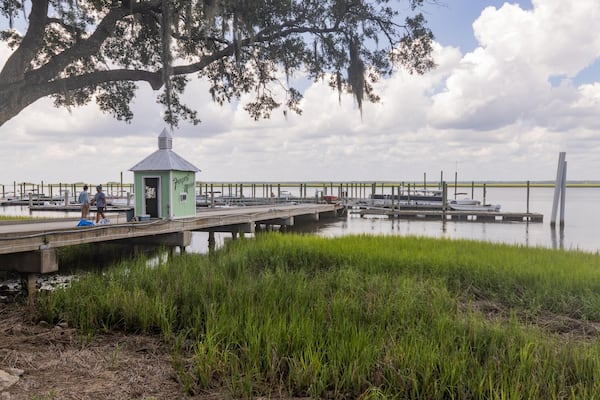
<point>451,215</point>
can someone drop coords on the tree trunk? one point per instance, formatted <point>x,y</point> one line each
<point>16,99</point>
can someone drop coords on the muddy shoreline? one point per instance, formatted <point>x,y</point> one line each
<point>57,363</point>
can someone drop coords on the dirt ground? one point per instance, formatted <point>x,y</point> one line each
<point>57,364</point>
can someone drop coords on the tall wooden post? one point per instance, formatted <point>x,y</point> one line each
<point>455,183</point>
<point>527,197</point>
<point>211,241</point>
<point>484,192</point>
<point>444,197</point>
<point>563,190</point>
<point>558,188</point>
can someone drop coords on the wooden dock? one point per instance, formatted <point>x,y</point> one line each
<point>452,215</point>
<point>30,247</point>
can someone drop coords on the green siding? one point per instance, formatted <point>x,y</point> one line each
<point>172,183</point>
<point>184,193</point>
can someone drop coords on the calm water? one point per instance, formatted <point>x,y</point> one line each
<point>581,230</point>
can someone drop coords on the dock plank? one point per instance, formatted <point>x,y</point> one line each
<point>30,236</point>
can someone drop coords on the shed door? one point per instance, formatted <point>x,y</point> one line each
<point>151,192</point>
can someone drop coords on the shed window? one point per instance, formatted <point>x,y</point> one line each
<point>182,197</point>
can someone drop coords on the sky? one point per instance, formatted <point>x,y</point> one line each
<point>515,84</point>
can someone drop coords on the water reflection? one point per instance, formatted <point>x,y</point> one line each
<point>557,239</point>
<point>512,233</point>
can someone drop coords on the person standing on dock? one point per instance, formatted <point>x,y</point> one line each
<point>84,200</point>
<point>100,201</point>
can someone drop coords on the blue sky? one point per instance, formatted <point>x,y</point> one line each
<point>451,20</point>
<point>516,83</point>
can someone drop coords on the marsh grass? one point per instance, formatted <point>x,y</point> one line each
<point>357,316</point>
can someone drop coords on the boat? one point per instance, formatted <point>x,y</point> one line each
<point>428,200</point>
<point>120,201</point>
<point>419,199</point>
<point>472,205</point>
<point>330,199</point>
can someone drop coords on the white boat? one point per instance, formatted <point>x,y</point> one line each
<point>472,205</point>
<point>120,201</point>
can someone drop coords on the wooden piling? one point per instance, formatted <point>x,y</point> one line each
<point>211,242</point>
<point>558,185</point>
<point>563,190</point>
<point>444,197</point>
<point>484,193</point>
<point>455,183</point>
<point>527,197</point>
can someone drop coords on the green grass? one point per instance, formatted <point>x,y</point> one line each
<point>359,317</point>
<point>16,217</point>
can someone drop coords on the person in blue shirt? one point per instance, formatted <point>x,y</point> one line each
<point>84,200</point>
<point>100,201</point>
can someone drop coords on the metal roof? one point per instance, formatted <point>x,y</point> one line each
<point>164,159</point>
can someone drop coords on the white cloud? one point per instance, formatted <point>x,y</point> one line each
<point>507,78</point>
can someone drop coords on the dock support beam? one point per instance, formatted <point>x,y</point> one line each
<point>31,286</point>
<point>29,264</point>
<point>41,261</point>
<point>171,240</point>
<point>279,221</point>
<point>211,241</point>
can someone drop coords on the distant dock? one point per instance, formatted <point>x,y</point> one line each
<point>349,194</point>
<point>451,215</point>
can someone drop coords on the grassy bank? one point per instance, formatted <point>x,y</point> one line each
<point>16,218</point>
<point>359,316</point>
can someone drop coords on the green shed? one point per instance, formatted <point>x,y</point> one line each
<point>164,183</point>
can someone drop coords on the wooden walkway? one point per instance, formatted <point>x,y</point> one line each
<point>30,247</point>
<point>475,216</point>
